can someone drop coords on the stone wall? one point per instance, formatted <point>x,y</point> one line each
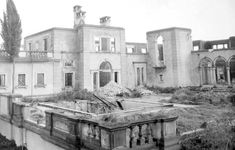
<point>173,71</point>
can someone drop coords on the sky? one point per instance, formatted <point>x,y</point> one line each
<point>208,19</point>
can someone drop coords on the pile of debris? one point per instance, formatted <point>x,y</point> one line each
<point>112,89</point>
<point>143,91</point>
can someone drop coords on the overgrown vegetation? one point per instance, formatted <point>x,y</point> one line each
<point>6,144</point>
<point>158,90</point>
<point>187,96</point>
<point>219,137</point>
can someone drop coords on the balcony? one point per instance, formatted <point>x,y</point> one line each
<point>28,55</point>
<point>160,65</point>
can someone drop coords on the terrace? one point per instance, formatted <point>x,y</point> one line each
<point>142,127</point>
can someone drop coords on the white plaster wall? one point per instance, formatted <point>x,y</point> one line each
<point>30,70</point>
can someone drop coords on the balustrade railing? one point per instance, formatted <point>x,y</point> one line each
<point>29,54</point>
<point>77,130</point>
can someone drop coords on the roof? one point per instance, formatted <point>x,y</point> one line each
<point>72,29</point>
<point>171,28</point>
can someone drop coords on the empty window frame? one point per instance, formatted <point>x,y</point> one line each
<point>160,50</point>
<point>220,46</point>
<point>21,79</point>
<point>2,80</point>
<point>68,80</point>
<point>112,44</point>
<point>37,45</point>
<point>116,77</point>
<point>196,48</point>
<point>30,46</point>
<point>97,44</point>
<point>214,46</point>
<point>45,42</point>
<point>105,44</point>
<point>225,46</point>
<point>143,50</point>
<point>129,50</point>
<point>40,79</point>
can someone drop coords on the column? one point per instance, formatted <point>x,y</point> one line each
<point>213,75</point>
<point>200,75</point>
<point>228,76</point>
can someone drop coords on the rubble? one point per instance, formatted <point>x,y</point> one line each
<point>112,89</point>
<point>143,90</point>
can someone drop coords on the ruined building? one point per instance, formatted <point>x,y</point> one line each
<point>89,56</point>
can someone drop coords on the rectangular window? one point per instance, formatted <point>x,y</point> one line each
<point>116,77</point>
<point>220,46</point>
<point>142,74</point>
<point>196,48</point>
<point>138,76</point>
<point>37,45</point>
<point>45,44</point>
<point>2,80</point>
<point>225,46</point>
<point>105,44</point>
<point>68,79</point>
<point>30,46</point>
<point>21,79</point>
<point>130,50</point>
<point>95,81</point>
<point>143,50</point>
<point>97,44</point>
<point>40,79</point>
<point>112,40</point>
<point>214,46</point>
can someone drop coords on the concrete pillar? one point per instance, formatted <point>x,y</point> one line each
<point>228,76</point>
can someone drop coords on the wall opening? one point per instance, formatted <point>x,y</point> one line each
<point>105,73</point>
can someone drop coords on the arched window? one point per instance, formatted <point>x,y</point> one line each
<point>205,65</point>
<point>160,48</point>
<point>105,73</point>
<point>221,74</point>
<point>105,66</point>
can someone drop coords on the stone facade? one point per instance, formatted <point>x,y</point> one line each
<point>89,56</point>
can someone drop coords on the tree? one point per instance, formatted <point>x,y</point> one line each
<point>11,34</point>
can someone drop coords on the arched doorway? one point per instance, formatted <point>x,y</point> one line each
<point>232,69</point>
<point>205,66</point>
<point>220,69</point>
<point>105,73</point>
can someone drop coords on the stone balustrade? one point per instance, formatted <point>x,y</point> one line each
<point>28,54</point>
<point>74,131</point>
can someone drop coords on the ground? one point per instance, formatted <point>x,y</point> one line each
<point>191,117</point>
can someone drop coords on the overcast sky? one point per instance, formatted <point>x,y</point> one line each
<point>208,19</point>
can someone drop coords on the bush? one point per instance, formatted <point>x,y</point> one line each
<point>232,99</point>
<point>162,89</point>
<point>213,138</point>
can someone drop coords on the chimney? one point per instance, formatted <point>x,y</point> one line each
<point>79,16</point>
<point>105,21</point>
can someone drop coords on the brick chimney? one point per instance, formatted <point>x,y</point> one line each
<point>79,16</point>
<point>105,21</point>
